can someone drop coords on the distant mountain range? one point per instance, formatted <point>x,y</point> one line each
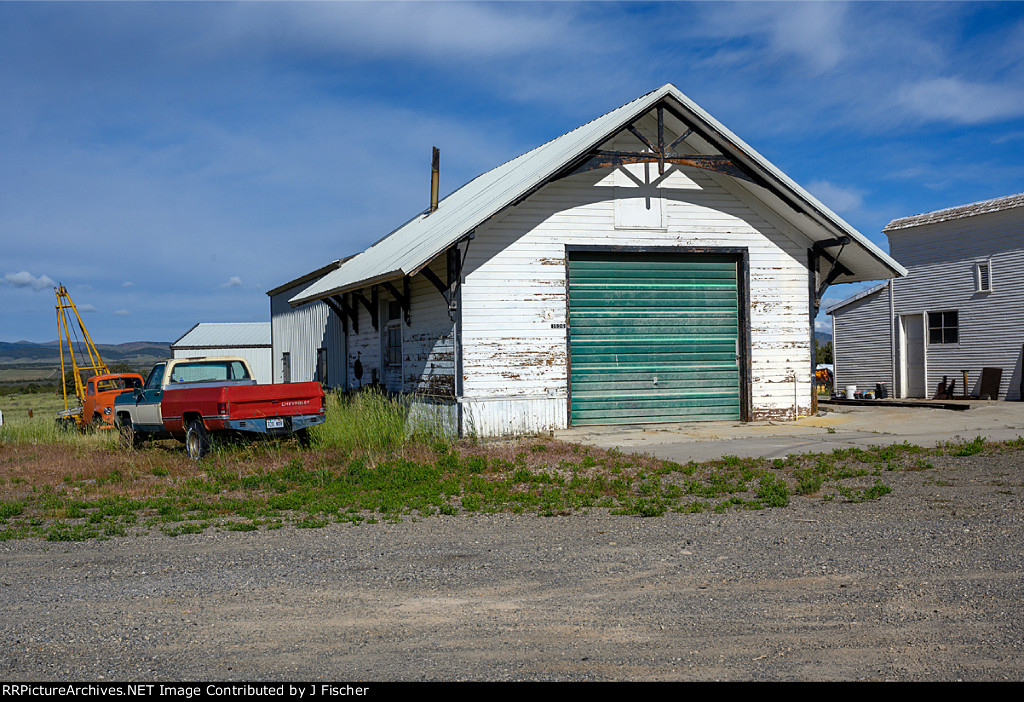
<point>27,352</point>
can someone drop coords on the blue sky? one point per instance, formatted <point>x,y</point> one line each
<point>171,162</point>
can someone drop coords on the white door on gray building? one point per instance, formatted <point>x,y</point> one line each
<point>913,381</point>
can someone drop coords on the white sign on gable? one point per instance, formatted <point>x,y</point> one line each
<point>638,197</point>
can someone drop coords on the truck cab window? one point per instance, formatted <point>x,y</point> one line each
<point>155,376</point>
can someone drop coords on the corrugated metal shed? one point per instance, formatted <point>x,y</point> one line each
<point>225,334</point>
<point>410,247</point>
<point>308,341</point>
<point>250,340</point>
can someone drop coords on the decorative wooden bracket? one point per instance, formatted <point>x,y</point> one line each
<point>837,269</point>
<point>371,305</point>
<point>404,298</point>
<point>662,153</point>
<point>455,260</point>
<point>339,303</point>
<point>336,308</point>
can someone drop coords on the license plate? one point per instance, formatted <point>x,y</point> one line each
<point>275,424</point>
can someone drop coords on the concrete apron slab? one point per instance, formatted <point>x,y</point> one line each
<point>839,427</point>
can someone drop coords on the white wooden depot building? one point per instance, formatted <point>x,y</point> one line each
<point>648,266</point>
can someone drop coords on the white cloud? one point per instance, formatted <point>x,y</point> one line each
<point>812,32</point>
<point>233,282</point>
<point>823,326</point>
<point>122,313</point>
<point>127,284</point>
<point>24,279</point>
<point>961,101</point>
<point>835,197</point>
<point>426,30</point>
<point>86,308</point>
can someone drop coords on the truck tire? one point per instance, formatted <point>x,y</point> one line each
<point>129,437</point>
<point>197,441</point>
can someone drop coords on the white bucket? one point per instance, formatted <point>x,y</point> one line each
<point>851,390</point>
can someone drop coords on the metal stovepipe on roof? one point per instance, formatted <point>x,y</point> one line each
<point>435,178</point>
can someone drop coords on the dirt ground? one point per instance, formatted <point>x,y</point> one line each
<point>925,583</point>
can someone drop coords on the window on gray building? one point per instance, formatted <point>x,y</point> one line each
<point>943,327</point>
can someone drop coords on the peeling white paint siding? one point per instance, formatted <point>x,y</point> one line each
<point>941,259</point>
<point>513,416</point>
<point>514,299</point>
<point>428,348</point>
<point>300,331</point>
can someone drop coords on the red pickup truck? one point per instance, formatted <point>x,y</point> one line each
<point>191,398</point>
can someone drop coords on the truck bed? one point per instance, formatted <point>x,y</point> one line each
<point>242,407</point>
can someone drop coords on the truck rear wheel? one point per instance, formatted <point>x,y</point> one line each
<point>197,441</point>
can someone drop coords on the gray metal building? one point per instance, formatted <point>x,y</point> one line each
<point>308,341</point>
<point>959,308</point>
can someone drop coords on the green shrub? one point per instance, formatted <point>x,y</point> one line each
<point>772,491</point>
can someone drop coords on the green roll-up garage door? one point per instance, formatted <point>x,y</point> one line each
<point>653,337</point>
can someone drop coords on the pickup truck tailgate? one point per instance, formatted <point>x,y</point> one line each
<point>279,400</point>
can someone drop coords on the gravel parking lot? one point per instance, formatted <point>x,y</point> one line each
<point>926,583</point>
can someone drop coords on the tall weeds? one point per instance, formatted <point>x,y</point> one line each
<point>369,421</point>
<point>43,429</point>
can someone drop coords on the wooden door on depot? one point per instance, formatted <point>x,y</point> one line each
<point>653,337</point>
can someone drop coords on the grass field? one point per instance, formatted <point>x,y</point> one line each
<point>44,406</point>
<point>18,374</point>
<point>366,465</point>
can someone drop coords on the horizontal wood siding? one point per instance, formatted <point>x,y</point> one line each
<point>861,343</point>
<point>941,258</point>
<point>514,299</point>
<point>512,416</point>
<point>428,347</point>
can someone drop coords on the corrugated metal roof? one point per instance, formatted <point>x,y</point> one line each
<point>313,275</point>
<point>975,208</point>
<point>410,247</point>
<point>215,335</point>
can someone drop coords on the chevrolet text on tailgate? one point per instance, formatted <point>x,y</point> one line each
<point>191,398</point>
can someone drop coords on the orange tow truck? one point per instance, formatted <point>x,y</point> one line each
<point>96,393</point>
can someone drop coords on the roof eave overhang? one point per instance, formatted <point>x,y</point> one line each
<point>342,289</point>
